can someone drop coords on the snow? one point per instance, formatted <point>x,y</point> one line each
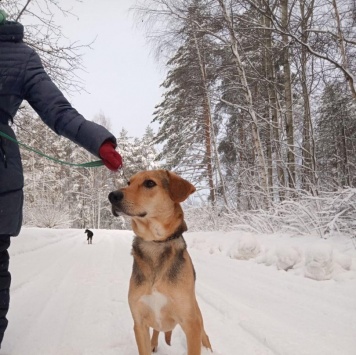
<point>259,294</point>
<point>319,262</point>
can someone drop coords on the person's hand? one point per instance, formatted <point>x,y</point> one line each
<point>110,157</point>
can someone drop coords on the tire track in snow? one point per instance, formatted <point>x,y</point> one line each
<point>257,295</point>
<point>74,284</point>
<point>219,307</point>
<point>43,244</point>
<point>42,265</point>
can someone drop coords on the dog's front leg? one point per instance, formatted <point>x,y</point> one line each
<point>142,335</point>
<point>193,332</point>
<point>154,340</point>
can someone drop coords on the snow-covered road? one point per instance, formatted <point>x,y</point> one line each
<point>70,298</point>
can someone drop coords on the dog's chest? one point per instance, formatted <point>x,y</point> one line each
<point>155,302</point>
<point>157,262</point>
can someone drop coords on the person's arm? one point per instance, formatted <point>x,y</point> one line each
<point>55,110</point>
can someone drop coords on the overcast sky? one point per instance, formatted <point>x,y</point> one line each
<point>122,79</point>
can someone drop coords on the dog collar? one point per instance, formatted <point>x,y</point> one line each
<point>177,234</point>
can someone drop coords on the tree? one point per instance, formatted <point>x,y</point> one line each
<point>61,57</point>
<point>336,137</point>
<point>185,114</point>
<point>288,101</point>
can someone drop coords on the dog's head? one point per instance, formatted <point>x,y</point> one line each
<point>152,200</point>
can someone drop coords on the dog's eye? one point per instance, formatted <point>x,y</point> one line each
<point>128,183</point>
<point>149,184</point>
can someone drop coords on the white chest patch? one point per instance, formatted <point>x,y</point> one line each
<point>156,301</point>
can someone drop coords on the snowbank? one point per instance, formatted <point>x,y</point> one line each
<point>246,248</point>
<point>311,257</point>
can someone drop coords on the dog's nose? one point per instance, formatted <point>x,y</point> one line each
<point>115,196</point>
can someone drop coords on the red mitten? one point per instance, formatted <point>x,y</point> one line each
<point>111,158</point>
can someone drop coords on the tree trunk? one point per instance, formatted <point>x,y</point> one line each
<point>308,150</point>
<point>208,151</point>
<point>288,101</point>
<point>249,101</point>
<point>273,105</point>
<point>346,171</point>
<point>207,126</point>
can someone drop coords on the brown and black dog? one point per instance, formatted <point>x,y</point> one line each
<point>162,284</point>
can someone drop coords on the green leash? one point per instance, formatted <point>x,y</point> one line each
<point>91,164</point>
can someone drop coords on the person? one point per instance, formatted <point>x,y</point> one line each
<point>89,236</point>
<point>23,77</point>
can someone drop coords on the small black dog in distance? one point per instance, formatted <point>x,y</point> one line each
<point>90,236</point>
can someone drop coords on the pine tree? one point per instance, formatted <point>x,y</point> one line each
<point>185,114</point>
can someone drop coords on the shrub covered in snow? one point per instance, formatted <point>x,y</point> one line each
<point>319,262</point>
<point>305,256</point>
<point>324,215</point>
<point>344,261</point>
<point>48,216</point>
<point>288,257</point>
<point>246,248</point>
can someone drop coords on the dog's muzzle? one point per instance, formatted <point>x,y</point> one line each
<point>115,198</point>
<point>117,205</point>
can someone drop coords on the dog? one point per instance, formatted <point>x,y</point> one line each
<point>162,285</point>
<point>89,236</point>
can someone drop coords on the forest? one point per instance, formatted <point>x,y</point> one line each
<point>258,112</point>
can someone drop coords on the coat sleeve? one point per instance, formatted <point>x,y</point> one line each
<point>55,110</point>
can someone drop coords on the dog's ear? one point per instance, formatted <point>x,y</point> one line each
<point>179,189</point>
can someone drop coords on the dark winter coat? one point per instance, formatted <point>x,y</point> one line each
<point>22,77</point>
